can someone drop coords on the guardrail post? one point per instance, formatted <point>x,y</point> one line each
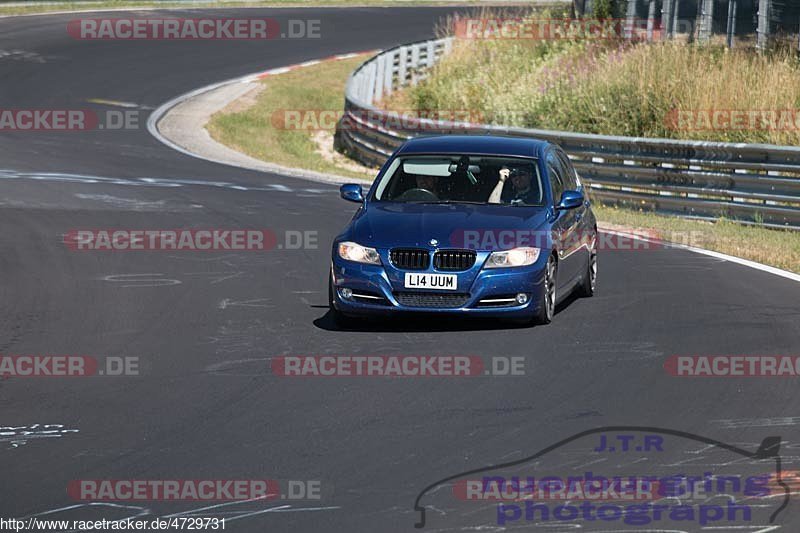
<point>431,54</point>
<point>401,66</point>
<point>762,41</point>
<point>362,86</point>
<point>414,63</point>
<point>387,74</point>
<point>629,19</point>
<point>371,71</point>
<point>666,19</point>
<point>381,66</point>
<point>704,25</point>
<point>731,30</point>
<point>651,19</point>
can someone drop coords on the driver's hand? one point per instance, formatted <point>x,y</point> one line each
<point>504,173</point>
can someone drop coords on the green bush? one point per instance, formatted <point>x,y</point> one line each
<point>605,9</point>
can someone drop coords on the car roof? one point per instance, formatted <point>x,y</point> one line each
<point>475,144</point>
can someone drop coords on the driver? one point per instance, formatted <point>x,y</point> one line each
<point>426,182</point>
<point>521,192</point>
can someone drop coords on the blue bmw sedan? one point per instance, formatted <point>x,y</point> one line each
<point>467,225</point>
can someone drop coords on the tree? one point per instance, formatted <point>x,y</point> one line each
<point>605,9</point>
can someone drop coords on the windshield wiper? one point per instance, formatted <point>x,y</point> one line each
<point>440,202</point>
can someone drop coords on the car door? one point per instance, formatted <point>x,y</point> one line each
<point>564,226</point>
<point>584,229</point>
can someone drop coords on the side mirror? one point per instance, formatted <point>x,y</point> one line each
<point>352,192</point>
<point>570,200</point>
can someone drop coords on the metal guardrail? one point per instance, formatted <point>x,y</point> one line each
<point>751,183</point>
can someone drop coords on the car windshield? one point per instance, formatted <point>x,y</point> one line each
<point>462,179</point>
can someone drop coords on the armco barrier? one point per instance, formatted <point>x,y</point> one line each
<point>754,183</point>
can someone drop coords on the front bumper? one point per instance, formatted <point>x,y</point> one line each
<point>379,290</point>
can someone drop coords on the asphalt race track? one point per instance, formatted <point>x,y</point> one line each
<point>205,325</point>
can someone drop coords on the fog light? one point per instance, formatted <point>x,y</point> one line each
<point>522,298</point>
<point>346,293</point>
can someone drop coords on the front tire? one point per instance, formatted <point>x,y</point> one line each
<point>547,302</point>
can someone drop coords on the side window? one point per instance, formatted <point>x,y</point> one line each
<point>556,172</point>
<point>570,176</point>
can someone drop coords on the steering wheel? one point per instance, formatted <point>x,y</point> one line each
<point>418,195</point>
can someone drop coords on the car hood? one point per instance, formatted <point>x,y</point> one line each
<point>388,225</point>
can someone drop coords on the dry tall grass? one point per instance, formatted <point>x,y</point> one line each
<point>619,88</point>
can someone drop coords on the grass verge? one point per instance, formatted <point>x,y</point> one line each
<point>778,248</point>
<point>258,127</point>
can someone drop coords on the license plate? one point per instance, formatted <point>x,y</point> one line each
<point>437,282</point>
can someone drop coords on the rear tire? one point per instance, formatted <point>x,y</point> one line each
<point>547,302</point>
<point>589,283</point>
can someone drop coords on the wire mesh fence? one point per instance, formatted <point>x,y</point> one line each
<point>758,23</point>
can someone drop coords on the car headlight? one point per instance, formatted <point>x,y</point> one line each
<point>360,254</point>
<point>513,258</point>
